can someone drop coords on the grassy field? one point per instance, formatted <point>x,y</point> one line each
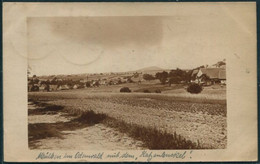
<point>177,90</point>
<point>199,118</point>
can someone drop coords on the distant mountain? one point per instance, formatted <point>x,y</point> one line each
<point>147,69</point>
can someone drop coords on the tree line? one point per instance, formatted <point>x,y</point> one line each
<point>173,77</point>
<point>55,81</point>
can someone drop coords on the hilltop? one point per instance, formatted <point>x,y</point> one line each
<point>152,68</point>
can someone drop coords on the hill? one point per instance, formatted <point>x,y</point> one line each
<point>152,68</point>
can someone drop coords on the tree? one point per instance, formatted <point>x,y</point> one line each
<point>48,82</point>
<point>148,77</point>
<point>178,75</point>
<point>35,88</point>
<point>177,72</point>
<point>174,80</point>
<point>88,84</point>
<point>162,76</point>
<point>188,76</point>
<point>36,81</point>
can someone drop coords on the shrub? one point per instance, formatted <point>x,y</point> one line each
<point>194,88</point>
<point>125,89</point>
<point>146,91</point>
<point>88,84</point>
<point>158,91</point>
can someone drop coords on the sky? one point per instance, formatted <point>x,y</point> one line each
<point>74,45</point>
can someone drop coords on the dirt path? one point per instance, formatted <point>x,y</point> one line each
<point>96,137</point>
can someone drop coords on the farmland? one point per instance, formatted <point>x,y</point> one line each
<point>200,118</point>
<point>178,90</point>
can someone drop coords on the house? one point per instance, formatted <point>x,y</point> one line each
<point>83,80</point>
<point>209,76</point>
<point>76,86</point>
<point>70,86</point>
<point>137,79</point>
<point>123,80</point>
<point>53,87</point>
<point>103,82</point>
<point>63,87</point>
<point>112,81</point>
<point>194,76</point>
<point>222,76</point>
<point>44,88</point>
<point>95,83</point>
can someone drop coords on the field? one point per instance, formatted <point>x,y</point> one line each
<point>178,90</point>
<point>199,119</point>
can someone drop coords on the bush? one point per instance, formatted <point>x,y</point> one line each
<point>88,84</point>
<point>158,91</point>
<point>125,89</point>
<point>146,91</point>
<point>194,88</point>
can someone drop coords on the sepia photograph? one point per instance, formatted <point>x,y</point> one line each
<point>130,82</point>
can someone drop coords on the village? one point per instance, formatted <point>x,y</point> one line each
<point>204,75</point>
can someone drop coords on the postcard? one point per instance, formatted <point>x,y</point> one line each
<point>136,82</point>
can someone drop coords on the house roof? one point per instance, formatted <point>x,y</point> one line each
<point>194,72</point>
<point>222,74</point>
<point>42,87</point>
<point>214,73</point>
<point>64,86</point>
<point>53,86</point>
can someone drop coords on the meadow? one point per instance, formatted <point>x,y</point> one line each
<point>215,92</point>
<point>197,119</point>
